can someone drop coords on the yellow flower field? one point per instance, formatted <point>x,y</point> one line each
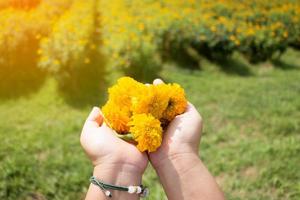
<point>63,34</point>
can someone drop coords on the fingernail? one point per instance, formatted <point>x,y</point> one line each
<point>157,81</point>
<point>95,110</point>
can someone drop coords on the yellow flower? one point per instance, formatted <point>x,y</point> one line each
<point>202,37</point>
<point>250,31</point>
<point>56,62</point>
<point>116,117</point>
<point>39,51</point>
<point>143,110</point>
<point>232,37</point>
<point>141,26</point>
<point>146,131</point>
<point>87,60</point>
<point>93,46</point>
<point>153,100</point>
<point>213,28</point>
<point>121,94</point>
<point>38,36</point>
<point>177,102</point>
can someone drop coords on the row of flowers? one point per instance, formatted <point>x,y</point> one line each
<point>72,40</point>
<point>136,36</point>
<point>23,24</point>
<point>257,29</point>
<point>72,51</point>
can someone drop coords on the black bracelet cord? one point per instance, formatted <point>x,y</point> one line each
<point>105,188</point>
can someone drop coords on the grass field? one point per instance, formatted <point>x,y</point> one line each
<point>251,139</point>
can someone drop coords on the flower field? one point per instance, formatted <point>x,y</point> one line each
<point>22,28</point>
<point>66,47</point>
<point>59,36</point>
<point>257,29</point>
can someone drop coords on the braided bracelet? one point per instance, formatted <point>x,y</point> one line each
<point>141,190</point>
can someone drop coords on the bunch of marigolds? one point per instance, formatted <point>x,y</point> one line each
<point>142,112</point>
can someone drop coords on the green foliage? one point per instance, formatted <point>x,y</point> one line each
<point>66,36</point>
<point>72,54</point>
<point>257,29</point>
<point>129,45</point>
<point>71,41</point>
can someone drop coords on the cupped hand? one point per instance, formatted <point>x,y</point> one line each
<point>181,137</point>
<point>104,148</point>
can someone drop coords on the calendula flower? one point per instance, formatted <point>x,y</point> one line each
<point>177,102</point>
<point>122,93</point>
<point>154,100</point>
<point>116,117</point>
<point>146,131</point>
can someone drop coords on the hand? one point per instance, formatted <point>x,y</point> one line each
<point>115,161</point>
<point>181,138</point>
<point>181,172</point>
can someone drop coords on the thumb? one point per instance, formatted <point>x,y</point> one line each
<point>190,119</point>
<point>95,118</point>
<point>157,81</point>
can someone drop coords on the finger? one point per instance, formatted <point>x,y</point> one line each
<point>190,108</point>
<point>94,119</point>
<point>157,81</point>
<point>191,111</point>
<point>190,118</point>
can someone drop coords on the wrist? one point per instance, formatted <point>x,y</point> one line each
<point>178,170</point>
<point>165,155</point>
<point>120,175</point>
<point>181,162</point>
<point>190,175</point>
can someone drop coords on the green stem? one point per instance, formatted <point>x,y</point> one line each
<point>126,137</point>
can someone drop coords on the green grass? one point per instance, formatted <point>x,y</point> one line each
<point>251,139</point>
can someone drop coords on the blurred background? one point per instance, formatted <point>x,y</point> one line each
<point>239,62</point>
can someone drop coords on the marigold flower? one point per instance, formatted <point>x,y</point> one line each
<point>177,102</point>
<point>116,117</point>
<point>153,99</point>
<point>121,94</point>
<point>143,111</point>
<point>146,131</point>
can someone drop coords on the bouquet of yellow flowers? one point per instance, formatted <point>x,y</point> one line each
<point>139,112</point>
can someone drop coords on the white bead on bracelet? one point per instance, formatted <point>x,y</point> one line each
<point>141,190</point>
<point>144,192</point>
<point>134,189</point>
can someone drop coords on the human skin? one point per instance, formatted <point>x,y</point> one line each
<point>182,173</point>
<point>115,161</point>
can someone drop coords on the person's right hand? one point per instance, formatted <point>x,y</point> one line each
<point>115,160</point>
<point>181,138</point>
<point>103,147</point>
